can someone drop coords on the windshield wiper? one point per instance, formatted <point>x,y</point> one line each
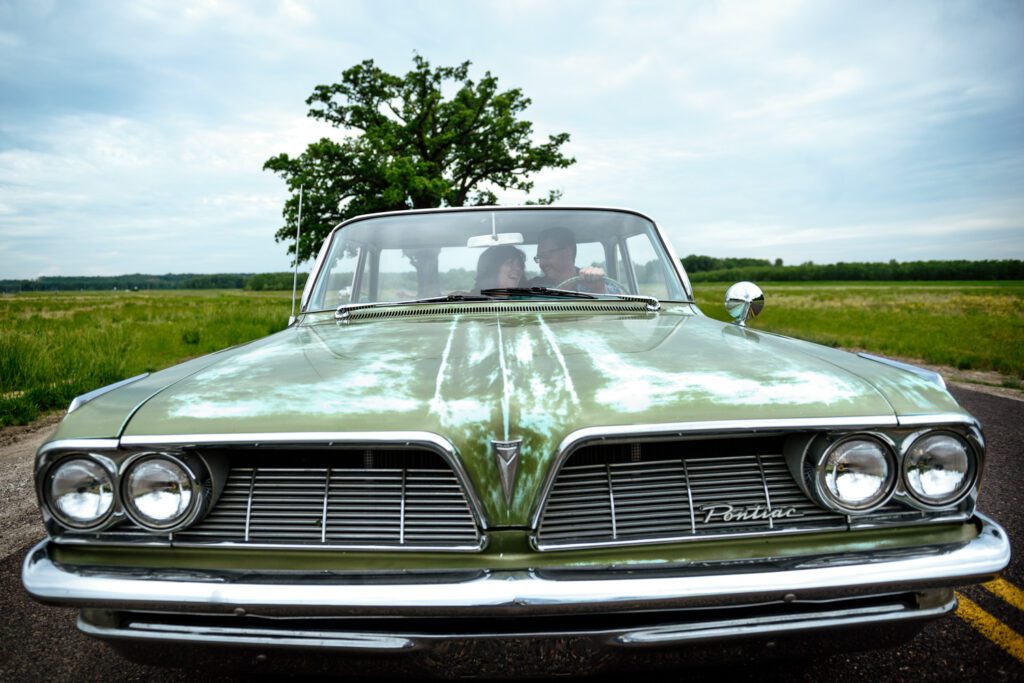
<point>541,291</point>
<point>345,309</point>
<point>652,303</point>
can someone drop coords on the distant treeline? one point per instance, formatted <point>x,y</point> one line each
<point>710,269</point>
<point>265,282</point>
<point>700,268</point>
<point>138,281</point>
<point>698,263</point>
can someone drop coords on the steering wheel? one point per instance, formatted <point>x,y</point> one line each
<point>579,283</point>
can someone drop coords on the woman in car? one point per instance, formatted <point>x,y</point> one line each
<point>501,266</point>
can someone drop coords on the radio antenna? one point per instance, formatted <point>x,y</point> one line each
<point>295,275</point>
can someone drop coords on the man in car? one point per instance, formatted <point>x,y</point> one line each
<point>556,256</point>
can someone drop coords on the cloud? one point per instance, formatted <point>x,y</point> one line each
<point>154,191</point>
<point>796,127</point>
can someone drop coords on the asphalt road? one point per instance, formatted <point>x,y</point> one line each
<point>39,642</point>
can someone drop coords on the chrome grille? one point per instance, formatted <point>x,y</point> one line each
<point>389,499</point>
<point>618,496</point>
<point>339,507</point>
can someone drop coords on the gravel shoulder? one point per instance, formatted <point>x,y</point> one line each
<point>20,522</point>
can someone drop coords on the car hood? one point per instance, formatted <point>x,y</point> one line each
<point>535,376</point>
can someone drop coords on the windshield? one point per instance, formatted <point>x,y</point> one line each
<point>403,257</point>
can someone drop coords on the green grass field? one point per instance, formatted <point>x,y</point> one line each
<point>967,325</point>
<point>56,346</point>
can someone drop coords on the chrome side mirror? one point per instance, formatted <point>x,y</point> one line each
<point>743,301</point>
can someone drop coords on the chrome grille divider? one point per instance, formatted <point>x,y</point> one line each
<point>401,512</point>
<point>689,497</point>
<point>327,496</point>
<point>611,499</point>
<point>767,496</point>
<point>248,504</point>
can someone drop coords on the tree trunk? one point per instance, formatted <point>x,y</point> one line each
<point>428,280</point>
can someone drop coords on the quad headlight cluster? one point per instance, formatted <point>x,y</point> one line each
<point>160,492</point>
<point>858,473</point>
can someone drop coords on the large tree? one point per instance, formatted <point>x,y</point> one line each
<point>407,146</point>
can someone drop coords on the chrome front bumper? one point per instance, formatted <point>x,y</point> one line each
<point>664,608</point>
<point>514,593</point>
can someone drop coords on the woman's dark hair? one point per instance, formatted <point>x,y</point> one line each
<point>490,262</point>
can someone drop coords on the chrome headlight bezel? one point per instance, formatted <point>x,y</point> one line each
<point>208,470</point>
<point>966,488</point>
<point>817,473</point>
<point>50,505</point>
<point>805,453</point>
<point>197,481</point>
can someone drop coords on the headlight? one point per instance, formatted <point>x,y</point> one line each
<point>856,475</point>
<point>158,492</point>
<point>938,469</point>
<point>80,493</point>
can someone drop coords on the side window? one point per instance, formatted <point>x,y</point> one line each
<point>649,269</point>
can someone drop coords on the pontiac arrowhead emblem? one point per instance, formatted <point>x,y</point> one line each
<point>507,455</point>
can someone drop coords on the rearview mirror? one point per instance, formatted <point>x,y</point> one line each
<point>495,239</point>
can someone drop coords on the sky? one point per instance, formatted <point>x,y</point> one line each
<point>133,134</point>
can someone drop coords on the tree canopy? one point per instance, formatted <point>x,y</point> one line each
<point>408,146</point>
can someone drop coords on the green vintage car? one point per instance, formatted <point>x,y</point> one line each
<point>505,441</point>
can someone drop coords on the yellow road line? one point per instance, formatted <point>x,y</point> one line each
<point>1007,591</point>
<point>990,627</point>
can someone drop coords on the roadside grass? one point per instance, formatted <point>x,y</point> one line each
<point>55,346</point>
<point>966,325</point>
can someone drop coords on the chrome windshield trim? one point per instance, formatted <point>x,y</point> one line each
<point>743,427</point>
<point>677,262</point>
<point>314,273</point>
<point>440,445</point>
<point>518,592</point>
<point>79,401</point>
